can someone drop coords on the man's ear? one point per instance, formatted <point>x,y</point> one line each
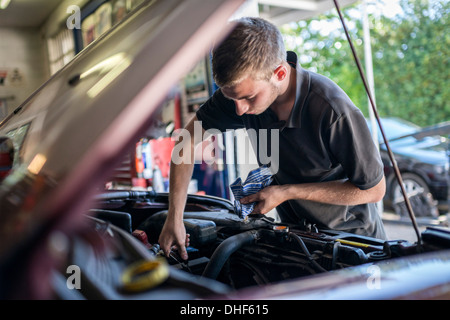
<point>280,72</point>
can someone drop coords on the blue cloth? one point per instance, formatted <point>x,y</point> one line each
<point>257,180</point>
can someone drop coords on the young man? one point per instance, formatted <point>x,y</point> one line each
<point>329,174</point>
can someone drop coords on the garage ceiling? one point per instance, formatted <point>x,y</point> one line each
<point>27,13</point>
<point>33,13</point>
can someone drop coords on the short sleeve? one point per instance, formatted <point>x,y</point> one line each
<point>219,113</point>
<point>352,146</point>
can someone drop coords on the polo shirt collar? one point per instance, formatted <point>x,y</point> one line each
<point>302,91</point>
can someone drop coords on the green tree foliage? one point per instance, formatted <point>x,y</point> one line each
<point>410,57</point>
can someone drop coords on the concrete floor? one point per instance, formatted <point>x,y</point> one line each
<point>402,229</point>
<point>397,231</point>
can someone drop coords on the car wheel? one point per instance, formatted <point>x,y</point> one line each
<point>422,201</point>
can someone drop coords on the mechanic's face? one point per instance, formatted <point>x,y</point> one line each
<point>252,96</point>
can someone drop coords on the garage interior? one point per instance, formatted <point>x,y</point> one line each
<point>37,42</point>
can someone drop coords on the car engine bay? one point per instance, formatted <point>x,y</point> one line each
<point>226,253</point>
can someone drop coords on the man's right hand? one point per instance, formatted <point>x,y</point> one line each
<point>173,236</point>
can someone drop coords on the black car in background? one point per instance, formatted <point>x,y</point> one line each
<point>423,159</point>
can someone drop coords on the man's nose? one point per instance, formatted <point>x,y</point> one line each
<point>241,107</point>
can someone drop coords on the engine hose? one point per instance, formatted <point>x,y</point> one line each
<point>226,249</point>
<point>305,250</point>
<point>303,266</point>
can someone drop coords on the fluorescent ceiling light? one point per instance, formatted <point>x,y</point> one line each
<point>4,3</point>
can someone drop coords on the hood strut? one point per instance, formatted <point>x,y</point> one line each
<point>375,112</point>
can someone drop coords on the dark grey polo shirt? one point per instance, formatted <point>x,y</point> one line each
<point>325,138</point>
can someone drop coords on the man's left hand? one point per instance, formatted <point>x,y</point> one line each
<point>266,199</point>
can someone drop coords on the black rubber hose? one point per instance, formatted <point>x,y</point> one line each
<point>305,250</point>
<point>226,249</point>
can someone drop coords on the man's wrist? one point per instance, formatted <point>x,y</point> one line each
<point>295,191</point>
<point>174,216</point>
<point>288,191</point>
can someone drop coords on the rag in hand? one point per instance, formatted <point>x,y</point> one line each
<point>257,180</point>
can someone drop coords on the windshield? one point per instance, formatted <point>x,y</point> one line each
<point>395,128</point>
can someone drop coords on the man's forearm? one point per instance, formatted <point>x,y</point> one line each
<point>335,192</point>
<point>181,171</point>
<point>180,175</point>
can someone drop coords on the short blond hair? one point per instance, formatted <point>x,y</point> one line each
<point>254,48</point>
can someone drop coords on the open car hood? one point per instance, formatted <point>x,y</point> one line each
<point>76,126</point>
